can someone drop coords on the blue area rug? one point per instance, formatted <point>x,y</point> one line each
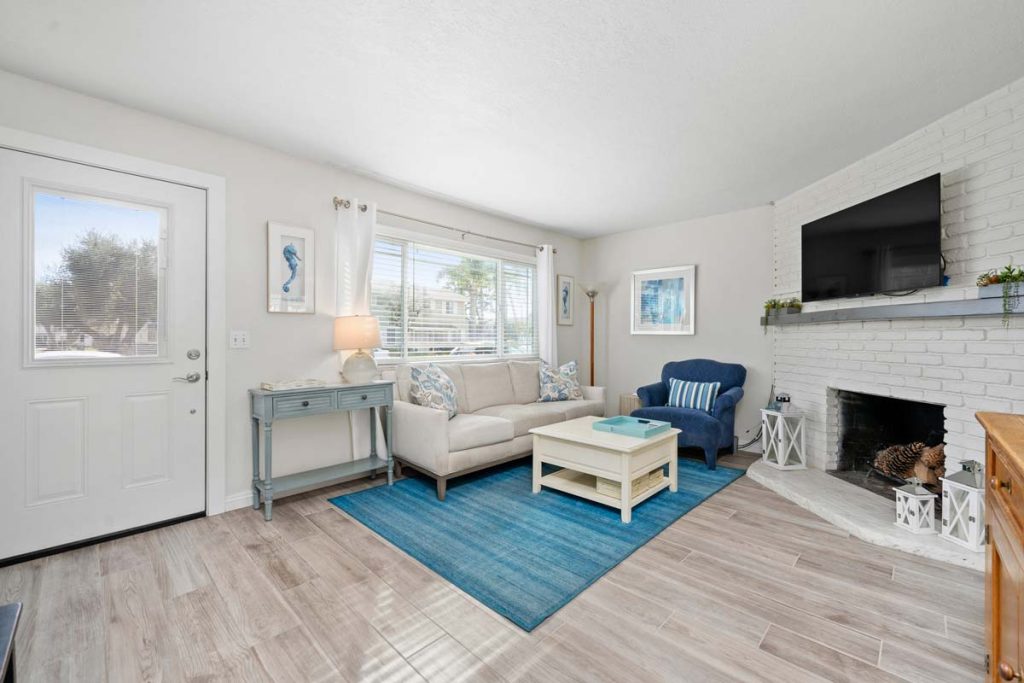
<point>522,555</point>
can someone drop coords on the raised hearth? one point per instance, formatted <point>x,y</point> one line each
<point>860,512</point>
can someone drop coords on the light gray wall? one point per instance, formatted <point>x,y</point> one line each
<point>733,255</point>
<point>262,185</point>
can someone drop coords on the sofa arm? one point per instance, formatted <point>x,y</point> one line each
<point>727,401</point>
<point>421,436</point>
<point>593,394</point>
<point>653,395</point>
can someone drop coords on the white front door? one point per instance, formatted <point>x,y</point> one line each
<point>102,355</point>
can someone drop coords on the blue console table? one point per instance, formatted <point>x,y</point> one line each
<point>268,406</point>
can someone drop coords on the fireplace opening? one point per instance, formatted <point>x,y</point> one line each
<point>883,441</point>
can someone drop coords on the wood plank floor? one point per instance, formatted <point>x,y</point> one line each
<point>747,586</point>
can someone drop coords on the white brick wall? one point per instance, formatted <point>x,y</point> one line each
<point>966,364</point>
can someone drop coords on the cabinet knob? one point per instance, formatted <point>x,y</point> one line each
<point>305,404</point>
<point>1007,486</point>
<point>1007,673</point>
<point>364,397</point>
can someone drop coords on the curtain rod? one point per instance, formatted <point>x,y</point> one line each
<point>345,203</point>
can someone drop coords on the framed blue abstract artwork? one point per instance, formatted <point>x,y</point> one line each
<point>291,269</point>
<point>661,301</point>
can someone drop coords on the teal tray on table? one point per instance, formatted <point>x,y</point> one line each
<point>632,426</point>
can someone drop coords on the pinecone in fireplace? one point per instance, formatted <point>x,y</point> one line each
<point>932,465</point>
<point>898,460</point>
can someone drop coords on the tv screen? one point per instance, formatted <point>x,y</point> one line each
<point>887,244</point>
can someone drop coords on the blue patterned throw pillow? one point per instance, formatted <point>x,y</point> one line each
<point>432,387</point>
<point>699,395</point>
<point>559,384</point>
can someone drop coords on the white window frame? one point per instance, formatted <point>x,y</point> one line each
<point>29,359</point>
<point>387,232</point>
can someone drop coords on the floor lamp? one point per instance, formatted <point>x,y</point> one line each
<point>591,293</point>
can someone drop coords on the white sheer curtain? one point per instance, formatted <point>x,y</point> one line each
<point>546,325</point>
<point>354,232</point>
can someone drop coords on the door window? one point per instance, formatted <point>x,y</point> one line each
<point>97,278</point>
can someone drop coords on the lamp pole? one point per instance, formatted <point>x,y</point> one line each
<point>591,294</point>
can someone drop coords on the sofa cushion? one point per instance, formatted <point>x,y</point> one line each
<point>698,427</point>
<point>454,370</point>
<point>487,384</point>
<point>686,394</point>
<point>559,384</point>
<point>526,417</point>
<point>488,455</point>
<point>431,387</point>
<point>574,409</point>
<point>525,380</point>
<point>472,431</point>
<point>403,381</point>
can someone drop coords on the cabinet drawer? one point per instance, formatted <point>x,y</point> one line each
<point>369,396</point>
<point>1007,488</point>
<point>304,404</point>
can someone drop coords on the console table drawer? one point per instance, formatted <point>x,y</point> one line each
<point>371,396</point>
<point>304,404</point>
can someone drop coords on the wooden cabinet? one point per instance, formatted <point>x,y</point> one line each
<point>1004,580</point>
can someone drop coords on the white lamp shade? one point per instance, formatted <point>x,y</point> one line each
<point>356,332</point>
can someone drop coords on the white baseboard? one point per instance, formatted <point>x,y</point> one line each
<point>234,501</point>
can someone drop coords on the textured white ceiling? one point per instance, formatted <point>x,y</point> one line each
<point>589,117</point>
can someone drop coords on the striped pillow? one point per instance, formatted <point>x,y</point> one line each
<point>699,395</point>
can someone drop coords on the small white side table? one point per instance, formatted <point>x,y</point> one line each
<point>782,439</point>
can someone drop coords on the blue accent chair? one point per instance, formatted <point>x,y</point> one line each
<point>710,431</point>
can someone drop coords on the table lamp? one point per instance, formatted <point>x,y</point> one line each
<point>360,332</point>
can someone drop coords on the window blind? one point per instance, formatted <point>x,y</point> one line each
<point>436,303</point>
<point>97,278</point>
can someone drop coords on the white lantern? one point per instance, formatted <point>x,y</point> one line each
<point>915,508</point>
<point>963,507</point>
<point>782,439</point>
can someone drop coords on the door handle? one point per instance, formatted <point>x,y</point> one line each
<point>191,378</point>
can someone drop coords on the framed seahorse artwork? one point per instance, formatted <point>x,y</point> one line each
<point>566,303</point>
<point>291,269</point>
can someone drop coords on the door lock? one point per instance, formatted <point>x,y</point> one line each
<point>192,354</point>
<point>191,378</point>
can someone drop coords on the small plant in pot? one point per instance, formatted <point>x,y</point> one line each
<point>1006,283</point>
<point>792,305</point>
<point>773,307</point>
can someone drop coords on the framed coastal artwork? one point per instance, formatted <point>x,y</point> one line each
<point>291,269</point>
<point>661,301</point>
<point>566,292</point>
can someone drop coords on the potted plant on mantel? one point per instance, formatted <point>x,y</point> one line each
<point>777,307</point>
<point>1005,283</point>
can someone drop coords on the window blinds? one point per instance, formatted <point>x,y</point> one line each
<point>436,303</point>
<point>97,278</point>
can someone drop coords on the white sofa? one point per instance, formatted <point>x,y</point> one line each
<point>497,408</point>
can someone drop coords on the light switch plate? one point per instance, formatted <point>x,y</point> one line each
<point>239,339</point>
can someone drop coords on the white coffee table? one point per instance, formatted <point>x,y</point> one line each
<point>585,454</point>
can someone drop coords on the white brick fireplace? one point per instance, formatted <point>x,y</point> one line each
<point>966,364</point>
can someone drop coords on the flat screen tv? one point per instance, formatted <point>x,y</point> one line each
<point>887,244</point>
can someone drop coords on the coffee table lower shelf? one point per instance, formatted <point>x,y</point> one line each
<point>585,486</point>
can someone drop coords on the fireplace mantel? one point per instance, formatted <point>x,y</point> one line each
<point>934,309</point>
